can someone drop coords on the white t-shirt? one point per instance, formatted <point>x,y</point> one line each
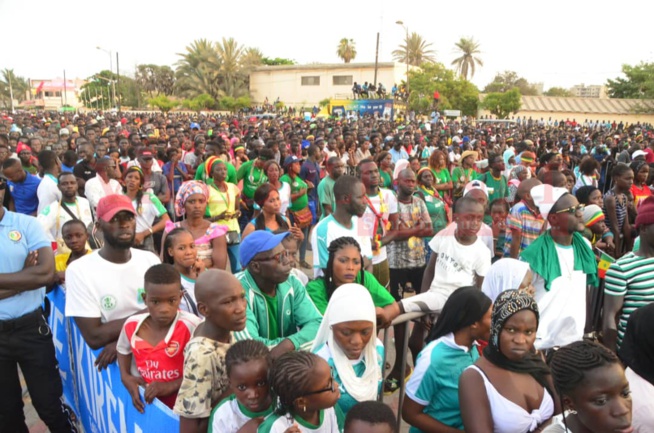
<point>329,229</point>
<point>282,423</point>
<point>485,233</point>
<point>96,287</point>
<point>456,267</point>
<point>95,188</point>
<point>562,308</point>
<point>642,396</point>
<point>229,416</point>
<point>47,192</point>
<point>284,197</point>
<point>53,217</point>
<point>386,205</point>
<point>151,208</point>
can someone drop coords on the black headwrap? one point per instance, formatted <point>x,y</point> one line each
<point>465,306</point>
<point>637,349</point>
<point>506,305</point>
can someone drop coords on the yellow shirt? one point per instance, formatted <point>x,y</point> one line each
<point>61,261</point>
<point>220,202</point>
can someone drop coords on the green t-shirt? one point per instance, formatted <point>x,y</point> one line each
<point>273,312</point>
<point>500,187</point>
<point>460,177</point>
<point>387,182</point>
<point>437,212</point>
<point>326,195</point>
<point>441,176</point>
<point>231,174</point>
<point>296,185</point>
<point>317,290</point>
<point>252,177</point>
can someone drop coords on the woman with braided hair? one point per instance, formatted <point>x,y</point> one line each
<point>306,395</point>
<point>509,390</point>
<point>345,266</point>
<point>593,389</point>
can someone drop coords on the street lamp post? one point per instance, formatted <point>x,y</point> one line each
<point>406,55</point>
<point>111,69</point>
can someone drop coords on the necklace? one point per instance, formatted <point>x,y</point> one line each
<point>251,176</point>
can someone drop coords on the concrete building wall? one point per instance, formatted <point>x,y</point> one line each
<point>307,85</point>
<point>581,117</point>
<point>594,91</point>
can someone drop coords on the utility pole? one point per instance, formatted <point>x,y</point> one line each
<point>65,90</point>
<point>117,82</point>
<point>376,59</point>
<point>11,92</point>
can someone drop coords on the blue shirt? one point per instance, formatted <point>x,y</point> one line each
<point>24,194</point>
<point>66,169</point>
<point>398,155</point>
<point>19,235</point>
<point>311,171</point>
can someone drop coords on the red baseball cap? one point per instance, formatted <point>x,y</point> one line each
<point>110,205</point>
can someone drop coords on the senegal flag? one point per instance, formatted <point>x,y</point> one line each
<point>604,262</point>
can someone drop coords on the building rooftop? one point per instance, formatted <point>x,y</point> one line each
<point>314,66</point>
<point>586,105</point>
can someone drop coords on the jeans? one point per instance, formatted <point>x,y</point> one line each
<point>27,342</point>
<point>233,253</point>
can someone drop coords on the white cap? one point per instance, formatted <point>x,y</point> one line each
<point>638,153</point>
<point>545,197</point>
<point>475,184</point>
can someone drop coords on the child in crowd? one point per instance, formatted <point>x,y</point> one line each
<point>156,340</point>
<point>499,211</point>
<point>370,417</point>
<point>221,300</point>
<point>292,246</point>
<point>180,251</point>
<point>593,389</point>
<point>596,231</point>
<point>247,363</point>
<point>306,396</point>
<point>75,236</point>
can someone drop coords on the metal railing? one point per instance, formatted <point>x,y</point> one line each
<point>402,318</point>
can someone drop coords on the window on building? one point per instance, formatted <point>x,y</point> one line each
<point>311,81</point>
<point>342,80</point>
<point>49,94</point>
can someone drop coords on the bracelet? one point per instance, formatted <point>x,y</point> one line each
<point>151,232</point>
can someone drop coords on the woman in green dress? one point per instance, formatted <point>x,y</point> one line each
<point>442,179</point>
<point>385,163</point>
<point>439,211</point>
<point>464,173</point>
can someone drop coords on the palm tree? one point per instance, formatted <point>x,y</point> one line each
<point>465,64</point>
<point>415,51</point>
<point>198,70</point>
<point>346,50</point>
<point>19,87</point>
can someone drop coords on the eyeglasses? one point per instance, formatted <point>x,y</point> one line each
<point>572,209</point>
<point>330,388</point>
<point>280,257</point>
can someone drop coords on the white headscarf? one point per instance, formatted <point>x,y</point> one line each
<point>504,274</point>
<point>352,302</point>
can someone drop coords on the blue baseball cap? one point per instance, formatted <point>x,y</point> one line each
<point>257,242</point>
<point>195,125</point>
<point>290,160</point>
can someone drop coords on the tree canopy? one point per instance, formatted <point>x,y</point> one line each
<point>346,50</point>
<point>637,83</point>
<point>19,87</point>
<point>154,79</point>
<point>508,80</point>
<point>415,51</point>
<point>468,59</point>
<point>455,92</point>
<point>558,91</point>
<point>502,104</point>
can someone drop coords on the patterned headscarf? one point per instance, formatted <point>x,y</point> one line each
<point>185,191</point>
<point>506,305</point>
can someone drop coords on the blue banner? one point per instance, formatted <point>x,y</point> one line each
<point>99,399</point>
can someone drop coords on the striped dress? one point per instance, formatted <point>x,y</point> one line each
<point>632,277</point>
<point>620,211</point>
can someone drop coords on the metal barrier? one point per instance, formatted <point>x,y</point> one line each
<point>402,318</point>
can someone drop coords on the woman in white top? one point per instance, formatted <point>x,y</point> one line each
<point>148,207</point>
<point>179,250</point>
<point>588,169</point>
<point>510,389</point>
<point>594,391</point>
<point>273,170</point>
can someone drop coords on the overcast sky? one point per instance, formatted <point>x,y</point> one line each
<point>559,43</point>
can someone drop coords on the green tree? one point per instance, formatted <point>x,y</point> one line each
<point>637,83</point>
<point>155,79</point>
<point>502,104</point>
<point>509,80</point>
<point>19,87</point>
<point>198,70</point>
<point>97,92</point>
<point>558,91</point>
<point>346,50</point>
<point>455,92</point>
<point>199,103</point>
<point>277,61</point>
<point>163,103</point>
<point>467,61</point>
<point>414,51</point>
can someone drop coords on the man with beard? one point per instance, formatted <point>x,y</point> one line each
<point>27,266</point>
<point>350,196</point>
<point>563,264</point>
<point>335,168</point>
<point>58,212</point>
<point>104,183</point>
<point>104,288</point>
<point>279,312</point>
<point>85,169</point>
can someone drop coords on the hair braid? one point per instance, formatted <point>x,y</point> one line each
<point>245,351</point>
<point>335,246</point>
<point>288,378</point>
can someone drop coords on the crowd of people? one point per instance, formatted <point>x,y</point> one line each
<point>240,269</point>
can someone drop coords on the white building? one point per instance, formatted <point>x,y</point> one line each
<point>52,94</point>
<point>593,91</point>
<point>307,85</point>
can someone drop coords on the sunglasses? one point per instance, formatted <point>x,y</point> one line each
<point>572,210</point>
<point>279,258</point>
<point>330,388</point>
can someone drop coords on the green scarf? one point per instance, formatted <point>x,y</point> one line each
<point>540,253</point>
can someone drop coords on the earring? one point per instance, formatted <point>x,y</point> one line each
<point>304,408</point>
